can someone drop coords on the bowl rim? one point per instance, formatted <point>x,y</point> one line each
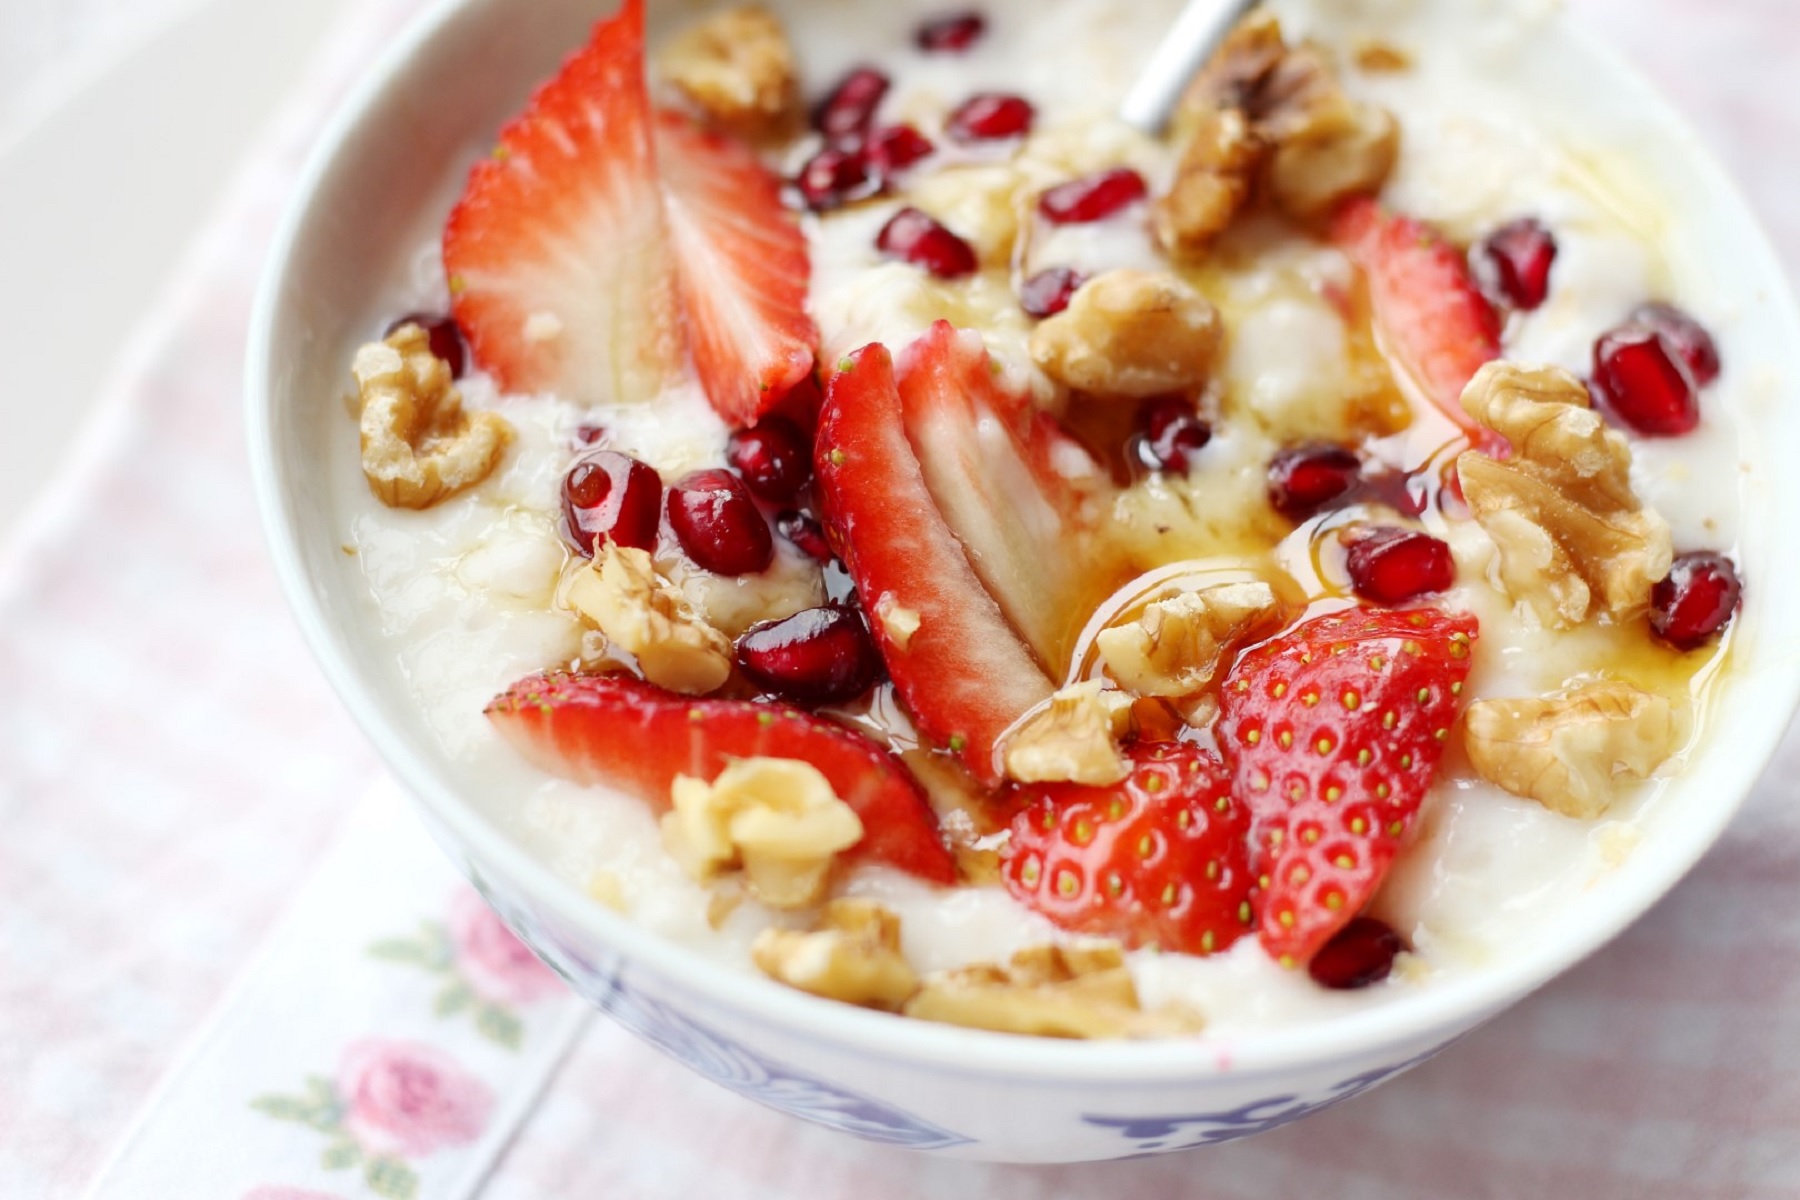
<point>1438,1013</point>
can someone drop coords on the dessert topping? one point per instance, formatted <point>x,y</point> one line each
<point>853,956</point>
<point>776,818</point>
<point>1130,333</point>
<point>990,117</point>
<point>1569,751</point>
<point>951,33</point>
<point>719,525</point>
<point>1513,264</point>
<point>737,68</point>
<point>1049,291</point>
<point>1179,643</point>
<point>611,495</point>
<point>1359,955</point>
<point>1391,565</point>
<point>1213,180</point>
<point>1304,479</point>
<point>1072,738</point>
<point>1696,601</point>
<point>819,656</point>
<point>640,612</point>
<point>914,236</point>
<point>1572,535</point>
<point>1049,991</point>
<point>1645,383</point>
<point>419,446</point>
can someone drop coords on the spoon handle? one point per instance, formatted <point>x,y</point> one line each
<point>1197,32</point>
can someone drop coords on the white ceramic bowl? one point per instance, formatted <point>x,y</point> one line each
<point>381,178</point>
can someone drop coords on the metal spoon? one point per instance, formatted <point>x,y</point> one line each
<point>1197,32</point>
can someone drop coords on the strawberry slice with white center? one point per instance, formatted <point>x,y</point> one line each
<point>1435,325</point>
<point>559,258</point>
<point>1009,482</point>
<point>618,732</point>
<point>743,269</point>
<point>960,669</point>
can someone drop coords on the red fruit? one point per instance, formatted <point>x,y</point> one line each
<point>1360,954</point>
<point>618,732</point>
<point>718,524</point>
<point>950,33</point>
<point>1169,431</point>
<point>896,148</point>
<point>805,533</point>
<point>612,495</point>
<point>848,112</point>
<point>914,237</point>
<point>774,458</point>
<point>1092,198</point>
<point>1303,480</point>
<point>1009,483</point>
<point>1696,601</point>
<point>441,333</point>
<point>744,269</point>
<point>1513,264</point>
<point>589,434</point>
<point>963,674</point>
<point>1436,328</point>
<point>1643,382</point>
<point>1388,565</point>
<point>990,117</point>
<point>565,221</point>
<point>1686,336</point>
<point>834,177</point>
<point>1333,732</point>
<point>1049,291</point>
<point>1156,860</point>
<point>819,656</point>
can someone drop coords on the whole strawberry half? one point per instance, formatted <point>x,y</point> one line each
<point>1334,731</point>
<point>622,733</point>
<point>1159,859</point>
<point>1435,325</point>
<point>956,662</point>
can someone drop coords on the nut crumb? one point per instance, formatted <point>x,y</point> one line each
<point>1176,647</point>
<point>854,956</point>
<point>1219,164</point>
<point>737,67</point>
<point>897,621</point>
<point>1049,991</point>
<point>419,446</point>
<point>1073,737</point>
<point>606,887</point>
<point>640,612</point>
<point>1130,333</point>
<point>1380,58</point>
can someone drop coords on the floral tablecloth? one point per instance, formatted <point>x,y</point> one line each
<point>183,802</point>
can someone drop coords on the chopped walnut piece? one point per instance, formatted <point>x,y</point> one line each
<point>418,444</point>
<point>1327,146</point>
<point>1235,74</point>
<point>1130,334</point>
<point>1219,164</point>
<point>1175,648</point>
<point>897,621</point>
<point>640,612</point>
<point>853,957</point>
<point>1049,991</point>
<point>1380,58</point>
<point>736,66</point>
<point>1072,738</point>
<point>777,818</point>
<point>1572,535</point>
<point>1569,751</point>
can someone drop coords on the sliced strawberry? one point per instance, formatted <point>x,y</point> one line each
<point>558,253</point>
<point>1435,325</point>
<point>1009,483</point>
<point>1333,731</point>
<point>743,269</point>
<point>618,732</point>
<point>1159,859</point>
<point>962,672</point>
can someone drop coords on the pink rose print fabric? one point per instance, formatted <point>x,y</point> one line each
<point>494,963</point>
<point>408,1099</point>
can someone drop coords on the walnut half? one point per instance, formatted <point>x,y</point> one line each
<point>1572,534</point>
<point>1049,991</point>
<point>1130,334</point>
<point>1175,648</point>
<point>736,66</point>
<point>1072,738</point>
<point>418,444</point>
<point>622,596</point>
<point>854,956</point>
<point>1569,751</point>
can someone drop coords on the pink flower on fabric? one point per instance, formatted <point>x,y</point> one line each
<point>406,1099</point>
<point>497,966</point>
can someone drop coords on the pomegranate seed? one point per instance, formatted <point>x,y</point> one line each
<point>990,117</point>
<point>951,33</point>
<point>805,533</point>
<point>1686,336</point>
<point>718,524</point>
<point>1093,197</point>
<point>1644,383</point>
<point>612,495</point>
<point>1359,954</point>
<point>1050,290</point>
<point>914,237</point>
<point>820,656</point>
<point>1513,264</point>
<point>896,148</point>
<point>444,336</point>
<point>773,458</point>
<point>588,434</point>
<point>845,116</point>
<point>834,177</point>
<point>1305,479</point>
<point>1169,429</point>
<point>1391,566</point>
<point>1696,601</point>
